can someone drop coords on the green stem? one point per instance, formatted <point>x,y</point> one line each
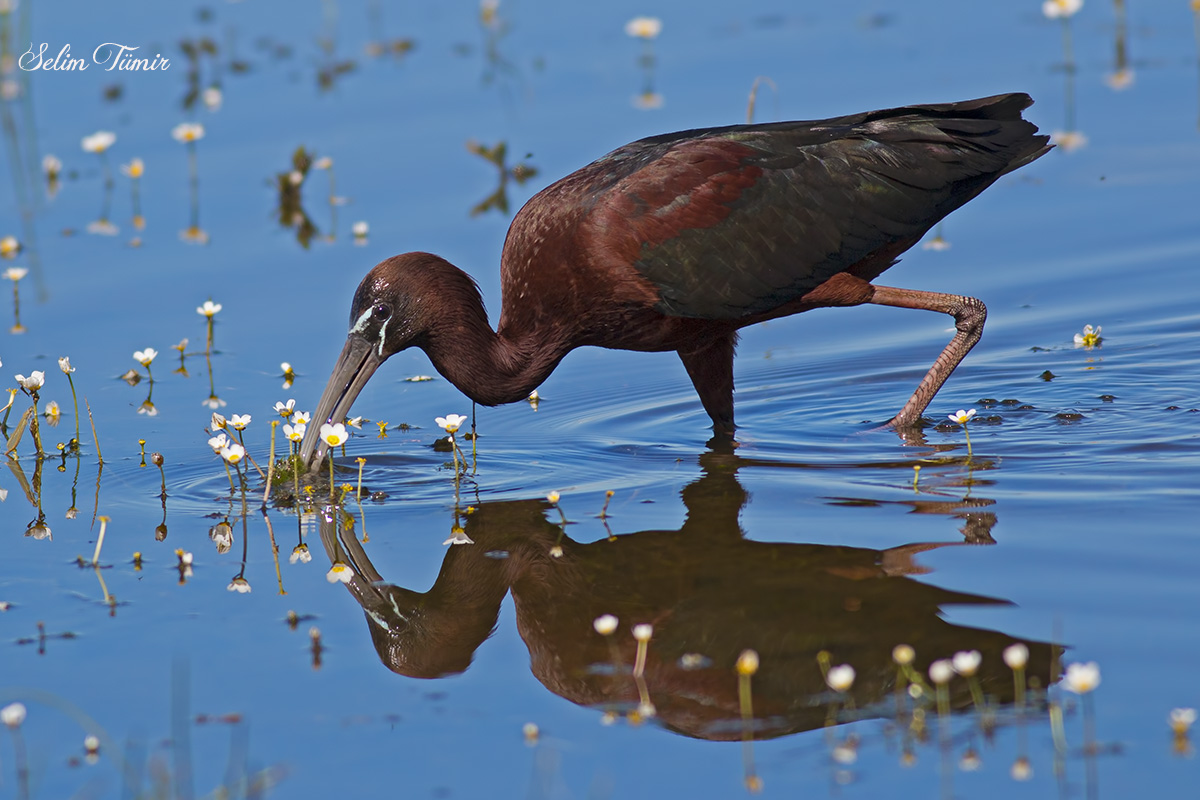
<point>75,401</point>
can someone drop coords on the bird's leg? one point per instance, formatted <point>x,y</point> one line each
<point>969,315</point>
<point>710,366</point>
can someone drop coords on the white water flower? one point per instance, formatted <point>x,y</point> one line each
<point>1016,656</point>
<point>98,142</point>
<point>941,671</point>
<point>239,421</point>
<point>1082,678</point>
<point>35,381</point>
<point>961,417</point>
<point>451,422</point>
<point>1061,9</point>
<point>966,662</point>
<point>187,132</point>
<point>605,624</point>
<point>334,435</point>
<point>233,452</point>
<point>840,679</point>
<point>13,715</point>
<point>644,27</point>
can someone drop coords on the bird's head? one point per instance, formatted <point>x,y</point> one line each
<point>390,313</point>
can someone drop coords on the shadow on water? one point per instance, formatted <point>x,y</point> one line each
<point>709,592</point>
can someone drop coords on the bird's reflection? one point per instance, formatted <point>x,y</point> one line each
<point>709,592</point>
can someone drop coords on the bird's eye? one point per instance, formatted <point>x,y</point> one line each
<point>382,312</point>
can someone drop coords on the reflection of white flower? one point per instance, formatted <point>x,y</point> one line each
<point>903,654</point>
<point>648,101</point>
<point>9,246</point>
<point>605,624</point>
<point>102,227</point>
<point>1021,769</point>
<point>458,536</point>
<point>1061,9</point>
<point>1082,678</point>
<point>1069,141</point>
<point>1119,80</point>
<point>300,553</point>
<point>98,142</point>
<point>846,752</point>
<point>239,585</point>
<point>360,229</point>
<point>51,165</point>
<point>840,679</point>
<point>339,573</point>
<point>324,162</point>
<point>644,27</point>
<point>187,132</point>
<point>212,98</point>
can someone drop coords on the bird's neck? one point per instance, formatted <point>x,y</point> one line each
<point>489,367</point>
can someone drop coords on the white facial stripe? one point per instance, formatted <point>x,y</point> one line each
<point>362,322</point>
<point>382,336</point>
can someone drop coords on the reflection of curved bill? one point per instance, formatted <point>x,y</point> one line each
<point>708,591</point>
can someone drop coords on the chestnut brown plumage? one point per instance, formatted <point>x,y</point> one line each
<point>677,241</point>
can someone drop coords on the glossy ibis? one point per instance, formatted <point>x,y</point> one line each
<point>677,241</point>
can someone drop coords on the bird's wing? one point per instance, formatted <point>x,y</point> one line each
<point>737,221</point>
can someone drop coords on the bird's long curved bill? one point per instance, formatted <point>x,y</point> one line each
<point>354,368</point>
